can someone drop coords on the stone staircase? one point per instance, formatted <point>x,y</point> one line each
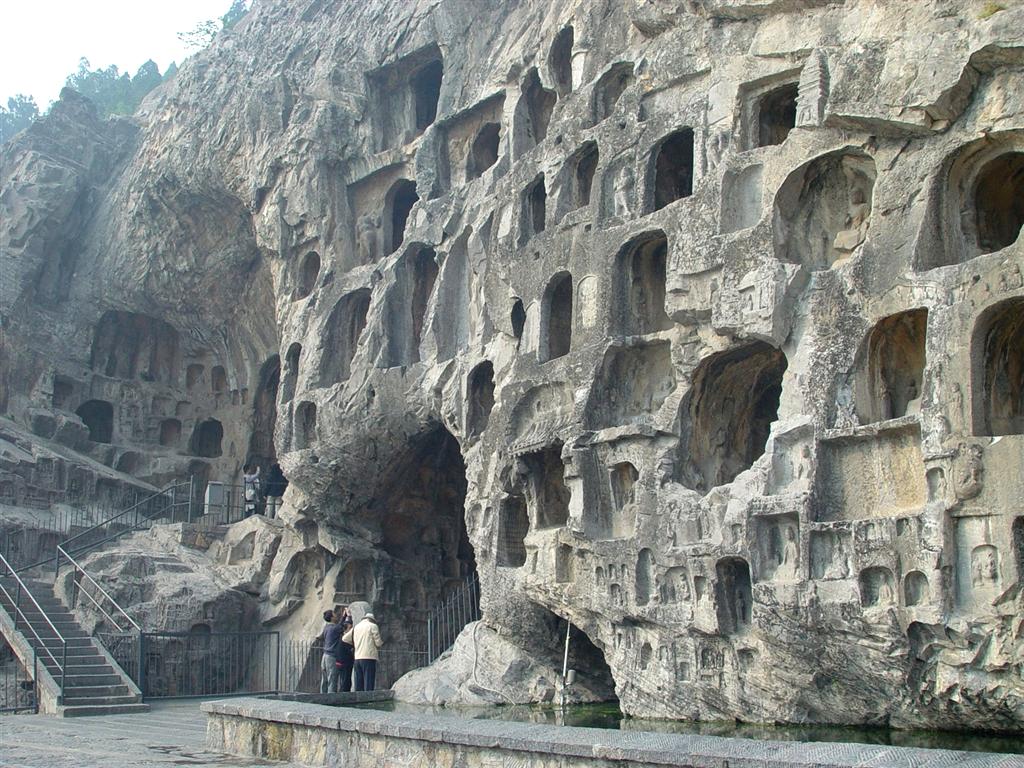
<point>93,683</point>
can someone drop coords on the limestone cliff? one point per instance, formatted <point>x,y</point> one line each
<point>698,323</point>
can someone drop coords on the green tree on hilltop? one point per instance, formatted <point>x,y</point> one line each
<point>20,112</point>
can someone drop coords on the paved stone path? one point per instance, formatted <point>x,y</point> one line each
<point>173,733</point>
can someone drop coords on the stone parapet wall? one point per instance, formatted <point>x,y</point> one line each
<point>351,738</point>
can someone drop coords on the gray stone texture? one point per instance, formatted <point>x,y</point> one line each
<point>713,343</point>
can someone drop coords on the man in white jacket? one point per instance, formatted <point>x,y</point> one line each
<point>365,636</point>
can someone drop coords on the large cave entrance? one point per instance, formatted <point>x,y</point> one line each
<point>427,556</point>
<point>547,630</point>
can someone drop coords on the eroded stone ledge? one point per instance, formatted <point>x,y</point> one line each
<point>319,735</point>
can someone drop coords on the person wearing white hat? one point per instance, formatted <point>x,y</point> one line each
<point>365,636</point>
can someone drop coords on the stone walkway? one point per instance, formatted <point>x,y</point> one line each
<point>173,733</point>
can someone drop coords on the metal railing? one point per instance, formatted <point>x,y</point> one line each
<point>16,605</point>
<point>85,585</point>
<point>300,665</point>
<point>448,619</point>
<point>17,684</point>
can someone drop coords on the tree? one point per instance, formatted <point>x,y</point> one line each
<point>112,92</point>
<point>19,114</point>
<point>205,32</point>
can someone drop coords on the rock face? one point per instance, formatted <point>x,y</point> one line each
<point>699,324</point>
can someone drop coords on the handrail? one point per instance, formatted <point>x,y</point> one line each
<point>133,508</point>
<point>80,570</point>
<point>16,604</point>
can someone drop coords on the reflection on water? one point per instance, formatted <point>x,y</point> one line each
<point>609,716</point>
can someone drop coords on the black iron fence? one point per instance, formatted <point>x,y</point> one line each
<point>448,619</point>
<point>17,684</point>
<point>300,665</point>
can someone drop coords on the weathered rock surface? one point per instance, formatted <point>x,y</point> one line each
<point>696,323</point>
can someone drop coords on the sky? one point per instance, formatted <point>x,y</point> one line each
<point>41,41</point>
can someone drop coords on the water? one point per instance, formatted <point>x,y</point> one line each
<point>608,716</point>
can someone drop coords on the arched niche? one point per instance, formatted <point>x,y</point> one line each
<point>264,414</point>
<point>978,201</point>
<point>291,371</point>
<point>609,89</point>
<point>622,479</point>
<point>218,379</point>
<point>728,413</point>
<point>556,318</point>
<point>513,525</point>
<point>915,589</point>
<point>484,151</point>
<point>584,165</point>
<point>891,367</point>
<point>98,417</point>
<point>877,587</point>
<point>533,207</point>
<point>533,113</point>
<point>206,439</point>
<point>733,595</point>
<point>129,345</point>
<point>644,578</point>
<point>309,271</point>
<point>305,425</point>
<point>823,209</point>
<point>997,369</point>
<point>480,391</point>
<point>545,490</point>
<point>193,376</point>
<point>407,306</point>
<point>670,172</point>
<point>426,92</point>
<point>518,319</point>
<point>341,335</point>
<point>560,60</point>
<point>398,204</point>
<point>640,269</point>
<point>170,433</point>
<point>776,114</point>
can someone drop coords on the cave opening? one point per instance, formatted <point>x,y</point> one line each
<point>305,425</point>
<point>587,160</point>
<point>426,91</point>
<point>731,407</point>
<point>398,205</point>
<point>776,115</point>
<point>733,595</point>
<point>481,398</point>
<point>291,371</point>
<point>642,268</point>
<point>534,209</point>
<point>547,641</point>
<point>340,338</point>
<point>609,89</point>
<point>534,112</point>
<point>891,377</point>
<point>999,202</point>
<point>206,439</point>
<point>513,525</point>
<point>560,59</point>
<point>545,489</point>
<point>424,275</point>
<point>484,152</point>
<point>672,168</point>
<point>518,319</point>
<point>427,555</point>
<point>264,415</point>
<point>170,433</point>
<point>556,318</point>
<point>98,417</point>
<point>309,271</point>
<point>997,363</point>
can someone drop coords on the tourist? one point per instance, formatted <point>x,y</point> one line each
<point>251,488</point>
<point>346,655</point>
<point>365,636</point>
<point>276,485</point>
<point>329,661</point>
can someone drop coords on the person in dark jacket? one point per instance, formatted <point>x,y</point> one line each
<point>275,486</point>
<point>346,657</point>
<point>328,663</point>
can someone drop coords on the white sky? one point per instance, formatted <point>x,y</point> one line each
<point>41,41</point>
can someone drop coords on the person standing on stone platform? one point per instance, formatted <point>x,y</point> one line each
<point>329,661</point>
<point>365,636</point>
<point>346,656</point>
<point>276,485</point>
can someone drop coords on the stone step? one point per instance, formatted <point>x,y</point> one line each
<point>115,709</point>
<point>78,678</point>
<point>75,700</point>
<point>79,662</point>
<point>82,691</point>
